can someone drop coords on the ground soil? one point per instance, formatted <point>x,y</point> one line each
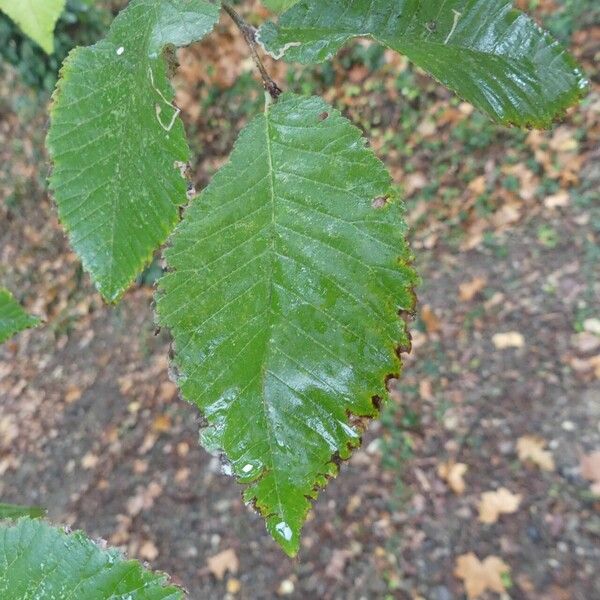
<point>90,425</point>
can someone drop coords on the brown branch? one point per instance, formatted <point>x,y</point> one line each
<point>249,34</point>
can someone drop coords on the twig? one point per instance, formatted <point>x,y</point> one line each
<point>249,34</point>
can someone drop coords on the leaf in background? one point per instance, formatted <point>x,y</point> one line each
<point>13,318</point>
<point>278,6</point>
<point>492,55</point>
<point>43,562</point>
<point>12,511</point>
<point>283,298</point>
<point>116,140</point>
<point>36,18</point>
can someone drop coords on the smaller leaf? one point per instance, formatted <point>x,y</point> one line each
<point>12,511</point>
<point>480,576</point>
<point>590,470</point>
<point>222,563</point>
<point>510,339</point>
<point>13,318</point>
<point>42,562</point>
<point>493,504</point>
<point>453,474</point>
<point>532,448</point>
<point>36,18</point>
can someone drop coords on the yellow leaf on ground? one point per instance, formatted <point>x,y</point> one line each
<point>592,326</point>
<point>532,448</point>
<point>493,504</point>
<point>162,424</point>
<point>561,198</point>
<point>590,470</point>
<point>431,320</point>
<point>224,562</point>
<point>453,474</point>
<point>468,290</point>
<point>510,339</point>
<point>233,586</point>
<point>478,576</point>
<point>148,551</point>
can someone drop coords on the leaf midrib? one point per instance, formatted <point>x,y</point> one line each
<point>269,339</point>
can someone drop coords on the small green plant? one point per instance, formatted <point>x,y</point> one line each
<point>13,318</point>
<point>289,278</point>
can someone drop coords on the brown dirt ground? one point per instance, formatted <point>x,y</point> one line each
<point>89,426</point>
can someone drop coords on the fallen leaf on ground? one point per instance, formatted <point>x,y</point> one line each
<point>479,576</point>
<point>162,424</point>
<point>224,562</point>
<point>510,339</point>
<point>144,498</point>
<point>532,448</point>
<point>432,322</point>
<point>337,565</point>
<point>148,551</point>
<point>73,394</point>
<point>592,326</point>
<point>233,586</point>
<point>468,290</point>
<point>585,342</point>
<point>557,200</point>
<point>493,504</point>
<point>89,461</point>
<point>590,470</point>
<point>453,474</point>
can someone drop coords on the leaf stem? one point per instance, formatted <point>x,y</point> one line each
<point>249,34</point>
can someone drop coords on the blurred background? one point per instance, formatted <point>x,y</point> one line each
<point>502,389</point>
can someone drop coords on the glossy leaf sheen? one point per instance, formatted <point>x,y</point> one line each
<point>36,18</point>
<point>283,301</point>
<point>41,562</point>
<point>115,139</point>
<point>13,318</point>
<point>492,55</point>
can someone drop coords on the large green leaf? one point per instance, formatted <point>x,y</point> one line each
<point>40,562</point>
<point>283,299</point>
<point>36,18</point>
<point>13,318</point>
<point>117,142</point>
<point>487,52</point>
<point>13,511</point>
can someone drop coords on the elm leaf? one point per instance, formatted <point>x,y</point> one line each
<point>287,277</point>
<point>489,53</point>
<point>117,142</point>
<point>46,563</point>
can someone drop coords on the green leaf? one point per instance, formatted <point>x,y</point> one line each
<point>278,6</point>
<point>41,562</point>
<point>490,54</point>
<point>117,142</point>
<point>13,318</point>
<point>283,300</point>
<point>36,18</point>
<point>12,511</point>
